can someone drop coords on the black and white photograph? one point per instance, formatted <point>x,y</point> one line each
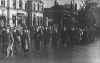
<point>49,31</point>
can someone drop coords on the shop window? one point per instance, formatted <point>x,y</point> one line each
<point>2,2</point>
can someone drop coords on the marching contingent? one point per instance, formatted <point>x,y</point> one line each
<point>13,39</point>
<point>24,39</point>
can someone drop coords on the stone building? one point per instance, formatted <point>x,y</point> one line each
<point>11,9</point>
<point>35,9</point>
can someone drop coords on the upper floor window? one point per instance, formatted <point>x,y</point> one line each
<point>20,4</point>
<point>14,4</point>
<point>33,6</point>
<point>41,7</point>
<point>36,6</point>
<point>2,2</point>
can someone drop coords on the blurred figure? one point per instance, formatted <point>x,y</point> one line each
<point>46,38</point>
<point>17,41</point>
<point>25,41</point>
<point>37,41</point>
<point>10,47</point>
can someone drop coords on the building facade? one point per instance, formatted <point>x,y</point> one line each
<point>35,9</point>
<point>54,14</point>
<point>78,3</point>
<point>13,10</point>
<point>37,13</point>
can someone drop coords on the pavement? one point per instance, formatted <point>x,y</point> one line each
<point>88,53</point>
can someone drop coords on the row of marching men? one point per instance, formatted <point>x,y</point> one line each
<point>16,39</point>
<point>47,37</point>
<point>56,38</point>
<point>20,38</point>
<point>12,39</point>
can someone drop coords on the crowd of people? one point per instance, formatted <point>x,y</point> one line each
<point>28,38</point>
<point>11,38</point>
<point>20,38</point>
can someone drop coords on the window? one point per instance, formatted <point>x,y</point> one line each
<point>41,21</point>
<point>14,4</point>
<point>14,19</point>
<point>20,4</point>
<point>2,2</point>
<point>37,21</point>
<point>2,20</point>
<point>36,7</point>
<point>19,18</point>
<point>41,7</point>
<point>33,6</point>
<point>34,20</point>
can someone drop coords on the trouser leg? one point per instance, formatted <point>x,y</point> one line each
<point>37,45</point>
